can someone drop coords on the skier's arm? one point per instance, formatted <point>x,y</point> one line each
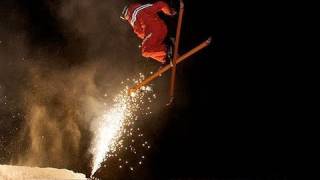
<point>139,29</point>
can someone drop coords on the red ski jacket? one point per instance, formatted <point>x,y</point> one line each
<point>144,18</point>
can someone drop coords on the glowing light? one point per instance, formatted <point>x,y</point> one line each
<point>105,136</point>
<point>112,125</point>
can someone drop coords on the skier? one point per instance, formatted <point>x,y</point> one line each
<point>149,27</point>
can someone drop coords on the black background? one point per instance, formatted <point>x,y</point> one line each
<point>235,123</point>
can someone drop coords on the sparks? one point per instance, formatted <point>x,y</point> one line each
<point>110,126</point>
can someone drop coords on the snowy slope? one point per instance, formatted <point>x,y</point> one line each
<point>35,173</point>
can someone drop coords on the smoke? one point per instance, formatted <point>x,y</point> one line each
<point>58,106</point>
<point>60,63</point>
<point>13,50</point>
<point>106,34</point>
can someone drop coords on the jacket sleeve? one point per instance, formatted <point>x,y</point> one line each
<point>162,6</point>
<point>139,29</point>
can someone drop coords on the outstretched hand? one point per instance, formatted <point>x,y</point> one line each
<point>173,12</point>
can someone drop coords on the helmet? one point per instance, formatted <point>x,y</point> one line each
<point>124,13</point>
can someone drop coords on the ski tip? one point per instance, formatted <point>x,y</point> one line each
<point>209,40</point>
<point>170,101</point>
<point>181,4</point>
<point>130,92</point>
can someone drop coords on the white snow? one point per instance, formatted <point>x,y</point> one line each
<point>35,173</point>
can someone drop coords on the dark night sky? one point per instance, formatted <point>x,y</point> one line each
<point>228,121</point>
<point>232,126</point>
